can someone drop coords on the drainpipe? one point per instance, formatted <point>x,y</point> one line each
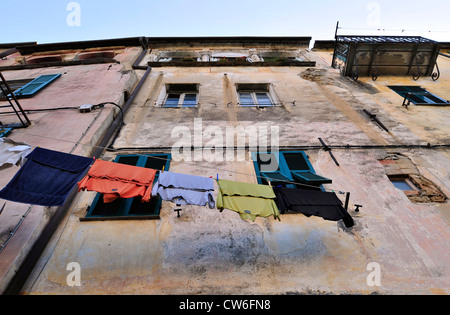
<point>18,281</point>
<point>144,43</point>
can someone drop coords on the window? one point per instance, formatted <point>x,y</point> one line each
<point>278,56</point>
<point>13,85</point>
<point>417,95</point>
<point>229,56</point>
<point>254,95</point>
<point>404,183</point>
<point>31,88</point>
<point>178,56</point>
<point>181,95</point>
<point>287,169</point>
<point>405,176</point>
<point>133,207</point>
<point>401,184</point>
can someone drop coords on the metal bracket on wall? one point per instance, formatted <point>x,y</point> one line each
<point>374,118</point>
<point>3,208</point>
<point>376,73</point>
<point>328,149</point>
<point>355,75</point>
<point>178,210</point>
<point>406,101</point>
<point>435,75</point>
<point>416,76</point>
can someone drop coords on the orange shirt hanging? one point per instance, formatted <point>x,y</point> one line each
<point>115,180</point>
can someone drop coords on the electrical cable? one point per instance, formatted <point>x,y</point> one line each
<point>49,109</point>
<point>205,167</point>
<point>111,103</point>
<point>101,105</point>
<point>344,147</point>
<point>30,111</point>
<point>65,108</point>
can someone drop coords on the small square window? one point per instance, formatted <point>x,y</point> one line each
<point>181,95</point>
<point>404,183</point>
<point>254,95</point>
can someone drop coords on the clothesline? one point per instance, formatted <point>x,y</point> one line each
<point>193,162</point>
<point>48,176</point>
<point>261,177</point>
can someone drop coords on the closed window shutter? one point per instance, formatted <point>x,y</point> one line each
<point>310,178</point>
<point>433,99</point>
<point>36,85</point>
<point>276,178</point>
<point>302,171</point>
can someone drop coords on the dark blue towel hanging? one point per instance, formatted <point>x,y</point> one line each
<point>46,178</point>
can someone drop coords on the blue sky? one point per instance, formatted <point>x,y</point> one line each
<point>45,21</point>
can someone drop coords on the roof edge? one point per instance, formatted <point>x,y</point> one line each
<point>129,41</point>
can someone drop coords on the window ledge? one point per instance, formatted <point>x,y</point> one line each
<point>259,107</point>
<point>60,64</point>
<point>124,218</point>
<point>233,63</point>
<point>176,107</point>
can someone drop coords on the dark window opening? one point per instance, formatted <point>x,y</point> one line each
<point>14,85</point>
<point>133,207</point>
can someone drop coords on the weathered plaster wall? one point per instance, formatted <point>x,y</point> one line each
<point>65,131</point>
<point>208,252</point>
<point>307,109</point>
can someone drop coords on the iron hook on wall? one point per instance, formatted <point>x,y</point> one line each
<point>435,75</point>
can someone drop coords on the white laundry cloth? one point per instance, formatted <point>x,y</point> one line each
<point>13,153</point>
<point>185,189</point>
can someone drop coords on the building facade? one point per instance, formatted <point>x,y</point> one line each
<point>212,107</point>
<point>50,83</point>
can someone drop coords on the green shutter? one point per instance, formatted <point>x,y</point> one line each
<point>4,132</point>
<point>310,178</point>
<point>276,178</point>
<point>294,170</point>
<point>418,95</point>
<point>32,88</point>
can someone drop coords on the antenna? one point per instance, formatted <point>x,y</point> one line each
<point>337,27</point>
<point>333,62</point>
